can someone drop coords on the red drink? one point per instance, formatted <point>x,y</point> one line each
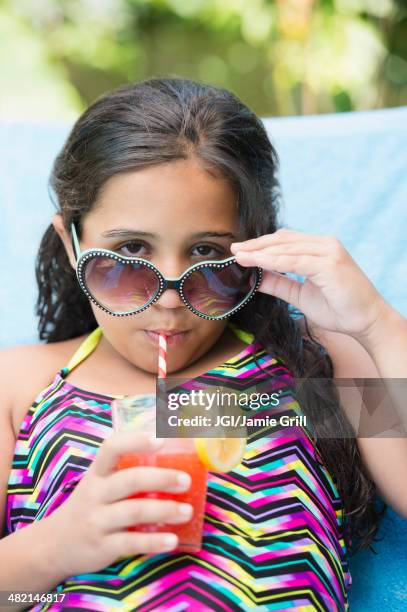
<point>176,454</point>
<point>137,413</point>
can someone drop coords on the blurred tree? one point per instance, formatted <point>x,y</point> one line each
<point>392,73</point>
<point>281,57</point>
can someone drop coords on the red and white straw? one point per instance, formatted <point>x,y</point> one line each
<point>162,356</point>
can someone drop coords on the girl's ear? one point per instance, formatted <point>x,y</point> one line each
<point>59,227</point>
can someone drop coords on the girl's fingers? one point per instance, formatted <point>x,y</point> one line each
<point>145,478</point>
<point>304,265</point>
<point>295,248</point>
<point>120,444</point>
<point>131,512</point>
<point>128,544</point>
<point>281,236</point>
<point>281,287</point>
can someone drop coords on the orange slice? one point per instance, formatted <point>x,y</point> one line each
<point>220,454</point>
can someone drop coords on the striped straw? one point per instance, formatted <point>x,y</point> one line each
<point>162,356</point>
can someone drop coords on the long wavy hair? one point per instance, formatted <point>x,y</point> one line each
<point>164,119</point>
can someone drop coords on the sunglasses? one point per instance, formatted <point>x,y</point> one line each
<point>123,286</point>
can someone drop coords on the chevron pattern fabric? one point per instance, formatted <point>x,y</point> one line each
<point>272,536</point>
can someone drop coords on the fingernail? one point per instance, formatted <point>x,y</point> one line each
<point>170,541</point>
<point>184,480</point>
<point>156,442</point>
<point>185,509</point>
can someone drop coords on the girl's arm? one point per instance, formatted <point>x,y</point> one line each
<point>29,561</point>
<point>29,558</point>
<point>379,355</point>
<point>386,343</point>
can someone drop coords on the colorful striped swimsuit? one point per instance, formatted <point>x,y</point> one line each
<point>272,537</point>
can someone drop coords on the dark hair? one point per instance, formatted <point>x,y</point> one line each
<point>157,121</point>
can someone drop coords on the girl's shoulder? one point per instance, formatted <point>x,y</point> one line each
<point>27,369</point>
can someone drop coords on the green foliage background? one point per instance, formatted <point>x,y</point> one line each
<point>282,57</point>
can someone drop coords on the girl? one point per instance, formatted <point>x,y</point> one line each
<point>176,173</point>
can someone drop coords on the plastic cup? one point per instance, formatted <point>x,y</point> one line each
<point>138,413</point>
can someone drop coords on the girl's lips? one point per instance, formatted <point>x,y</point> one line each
<point>172,339</point>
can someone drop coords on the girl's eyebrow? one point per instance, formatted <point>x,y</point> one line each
<point>128,233</point>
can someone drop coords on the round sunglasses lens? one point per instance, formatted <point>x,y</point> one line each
<point>118,286</point>
<point>216,291</point>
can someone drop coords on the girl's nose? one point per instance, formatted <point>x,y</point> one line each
<point>170,299</point>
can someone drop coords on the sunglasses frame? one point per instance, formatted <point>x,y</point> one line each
<point>164,283</point>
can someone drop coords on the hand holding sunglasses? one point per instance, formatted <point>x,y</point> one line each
<point>336,294</point>
<point>123,286</point>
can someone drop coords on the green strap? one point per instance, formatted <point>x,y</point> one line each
<point>245,336</point>
<point>84,350</point>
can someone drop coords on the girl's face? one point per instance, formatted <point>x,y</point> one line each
<point>174,215</point>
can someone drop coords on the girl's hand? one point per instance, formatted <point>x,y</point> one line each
<point>91,525</point>
<point>336,294</point>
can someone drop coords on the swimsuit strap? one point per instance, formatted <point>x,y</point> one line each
<point>92,340</point>
<point>240,333</point>
<point>83,351</point>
